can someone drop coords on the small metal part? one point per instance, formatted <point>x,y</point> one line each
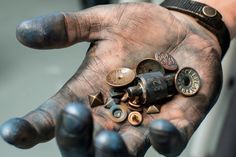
<point>135,118</point>
<point>131,108</point>
<point>125,97</point>
<point>96,99</point>
<point>209,11</point>
<point>152,109</point>
<point>166,60</point>
<point>116,100</point>
<point>120,77</point>
<point>118,113</point>
<point>136,107</point>
<point>149,65</point>
<point>153,85</point>
<point>170,80</point>
<point>134,102</point>
<point>135,90</point>
<point>116,93</point>
<point>109,103</point>
<point>187,81</point>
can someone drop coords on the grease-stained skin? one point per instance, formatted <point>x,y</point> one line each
<point>121,36</point>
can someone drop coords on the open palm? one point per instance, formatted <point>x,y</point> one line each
<point>121,36</point>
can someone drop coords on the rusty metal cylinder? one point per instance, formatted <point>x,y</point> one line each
<point>151,87</point>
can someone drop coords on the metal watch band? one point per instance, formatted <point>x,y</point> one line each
<point>205,15</point>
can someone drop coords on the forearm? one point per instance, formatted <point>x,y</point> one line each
<point>228,11</point>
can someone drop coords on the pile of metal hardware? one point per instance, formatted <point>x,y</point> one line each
<point>137,92</point>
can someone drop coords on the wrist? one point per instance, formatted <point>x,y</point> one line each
<point>204,15</point>
<point>209,36</point>
<point>228,12</point>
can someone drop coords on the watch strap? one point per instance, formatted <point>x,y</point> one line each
<point>206,16</point>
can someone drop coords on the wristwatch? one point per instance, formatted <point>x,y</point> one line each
<point>206,16</point>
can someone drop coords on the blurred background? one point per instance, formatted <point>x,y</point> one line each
<point>28,77</point>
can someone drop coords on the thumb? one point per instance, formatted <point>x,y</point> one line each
<point>60,30</point>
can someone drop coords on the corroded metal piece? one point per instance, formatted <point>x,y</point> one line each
<point>109,103</point>
<point>96,99</point>
<point>187,81</point>
<point>170,80</point>
<point>118,113</point>
<point>209,11</point>
<point>135,118</point>
<point>125,97</point>
<point>166,60</point>
<point>135,90</point>
<point>151,87</point>
<point>134,104</point>
<point>152,109</point>
<point>116,100</point>
<point>149,65</point>
<point>120,77</point>
<point>131,108</point>
<point>116,93</point>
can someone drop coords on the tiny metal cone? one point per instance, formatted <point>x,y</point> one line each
<point>109,103</point>
<point>152,110</point>
<point>96,99</point>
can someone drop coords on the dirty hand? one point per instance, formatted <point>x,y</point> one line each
<point>121,36</point>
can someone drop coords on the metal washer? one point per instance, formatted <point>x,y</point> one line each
<point>189,87</point>
<point>135,118</point>
<point>123,113</point>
